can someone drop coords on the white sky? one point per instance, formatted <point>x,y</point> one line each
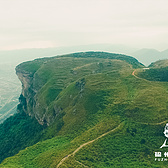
<point>54,23</point>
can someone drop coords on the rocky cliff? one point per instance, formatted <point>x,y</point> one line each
<point>31,83</point>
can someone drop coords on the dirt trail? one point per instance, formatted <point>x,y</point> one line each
<point>163,122</point>
<point>79,67</point>
<point>80,163</point>
<point>133,73</point>
<point>89,142</point>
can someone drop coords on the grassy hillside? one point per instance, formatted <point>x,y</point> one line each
<point>103,115</point>
<point>158,71</point>
<point>18,132</point>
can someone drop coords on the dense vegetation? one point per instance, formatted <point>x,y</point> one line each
<point>155,74</point>
<point>133,146</point>
<point>105,55</point>
<point>94,95</point>
<point>18,132</point>
<point>157,71</point>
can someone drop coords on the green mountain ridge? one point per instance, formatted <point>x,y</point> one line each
<point>92,112</point>
<point>157,71</point>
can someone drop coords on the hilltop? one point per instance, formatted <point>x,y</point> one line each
<point>92,112</point>
<point>44,79</point>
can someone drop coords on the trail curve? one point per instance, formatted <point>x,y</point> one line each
<point>89,142</point>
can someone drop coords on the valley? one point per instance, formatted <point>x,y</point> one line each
<point>9,91</point>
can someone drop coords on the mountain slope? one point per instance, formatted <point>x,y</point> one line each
<point>157,71</point>
<point>98,114</point>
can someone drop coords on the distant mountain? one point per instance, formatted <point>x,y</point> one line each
<point>165,53</point>
<point>18,56</point>
<point>115,48</point>
<point>147,56</point>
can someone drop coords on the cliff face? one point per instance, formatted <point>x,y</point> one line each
<point>29,101</point>
<point>27,96</point>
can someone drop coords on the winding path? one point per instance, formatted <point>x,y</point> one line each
<point>133,73</point>
<point>163,122</point>
<point>89,142</point>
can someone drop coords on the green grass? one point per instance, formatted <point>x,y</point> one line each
<point>134,146</point>
<point>83,96</point>
<point>158,71</point>
<point>39,155</point>
<point>18,132</point>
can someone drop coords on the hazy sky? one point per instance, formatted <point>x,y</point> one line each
<point>54,23</point>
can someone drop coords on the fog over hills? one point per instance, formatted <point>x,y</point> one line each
<point>145,55</point>
<point>18,56</point>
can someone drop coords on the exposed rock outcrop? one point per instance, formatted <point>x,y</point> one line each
<point>29,100</point>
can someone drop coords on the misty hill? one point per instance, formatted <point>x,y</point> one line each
<point>18,56</point>
<point>165,53</point>
<point>9,91</point>
<point>92,112</point>
<point>147,56</point>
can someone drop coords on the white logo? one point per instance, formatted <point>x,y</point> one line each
<point>166,135</point>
